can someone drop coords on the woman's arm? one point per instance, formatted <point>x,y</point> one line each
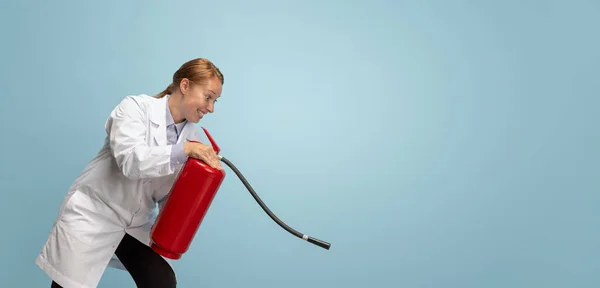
<point>127,130</point>
<point>178,156</point>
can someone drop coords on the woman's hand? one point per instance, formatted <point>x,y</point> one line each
<point>202,152</point>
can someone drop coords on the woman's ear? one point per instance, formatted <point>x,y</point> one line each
<point>184,85</point>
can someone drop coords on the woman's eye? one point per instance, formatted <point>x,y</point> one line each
<point>208,97</point>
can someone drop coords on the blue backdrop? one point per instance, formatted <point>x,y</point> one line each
<point>433,143</point>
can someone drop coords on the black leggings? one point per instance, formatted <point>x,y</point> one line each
<point>147,268</point>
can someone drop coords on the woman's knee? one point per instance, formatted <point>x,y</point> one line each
<point>159,274</point>
<point>147,268</point>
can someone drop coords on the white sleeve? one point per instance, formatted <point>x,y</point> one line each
<point>127,129</point>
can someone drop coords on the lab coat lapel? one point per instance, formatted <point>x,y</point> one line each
<point>158,119</point>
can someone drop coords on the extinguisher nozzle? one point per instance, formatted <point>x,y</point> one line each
<point>319,243</point>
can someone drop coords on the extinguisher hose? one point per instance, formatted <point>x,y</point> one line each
<point>310,239</point>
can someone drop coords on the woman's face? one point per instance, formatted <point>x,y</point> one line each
<point>199,100</point>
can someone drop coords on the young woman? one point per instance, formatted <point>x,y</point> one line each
<point>106,216</point>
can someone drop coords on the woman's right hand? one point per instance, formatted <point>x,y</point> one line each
<point>202,152</point>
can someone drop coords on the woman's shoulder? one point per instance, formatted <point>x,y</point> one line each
<point>139,101</point>
<point>139,105</point>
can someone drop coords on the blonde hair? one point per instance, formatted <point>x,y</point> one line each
<point>199,71</point>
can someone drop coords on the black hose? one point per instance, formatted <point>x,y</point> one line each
<point>312,240</point>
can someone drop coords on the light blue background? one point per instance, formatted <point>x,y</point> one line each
<point>433,143</point>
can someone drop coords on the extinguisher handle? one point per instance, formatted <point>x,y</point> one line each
<point>212,141</point>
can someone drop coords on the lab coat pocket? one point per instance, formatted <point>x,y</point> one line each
<point>84,218</point>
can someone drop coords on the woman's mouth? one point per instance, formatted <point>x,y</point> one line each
<point>200,114</point>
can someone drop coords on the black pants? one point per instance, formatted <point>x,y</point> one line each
<point>147,268</point>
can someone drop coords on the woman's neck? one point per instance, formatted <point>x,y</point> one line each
<point>174,103</point>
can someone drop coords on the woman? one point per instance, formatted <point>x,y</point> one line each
<point>105,218</point>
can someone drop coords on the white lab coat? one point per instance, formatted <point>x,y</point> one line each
<point>116,193</point>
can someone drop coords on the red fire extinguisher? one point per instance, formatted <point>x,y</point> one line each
<point>189,199</point>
